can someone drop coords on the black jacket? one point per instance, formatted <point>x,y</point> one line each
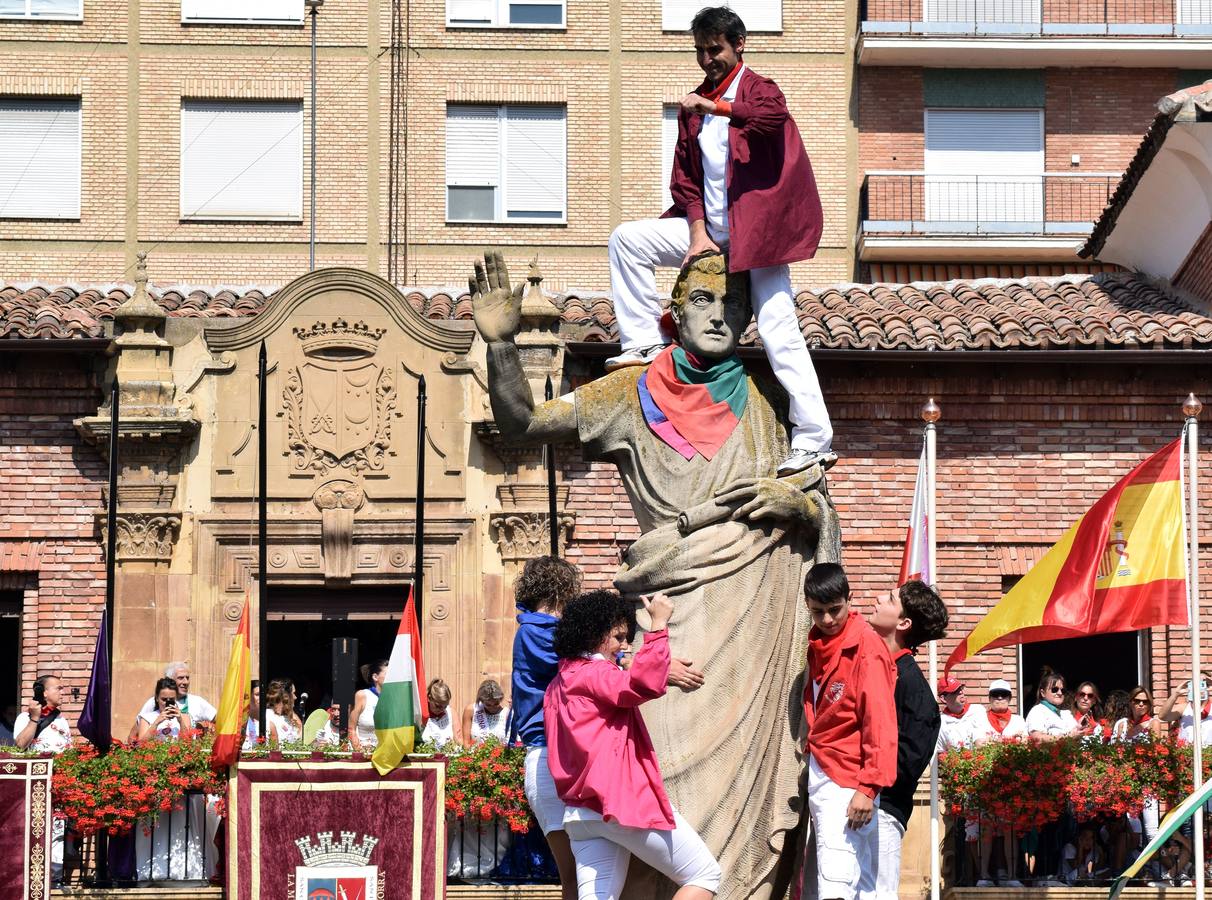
<point>918,721</point>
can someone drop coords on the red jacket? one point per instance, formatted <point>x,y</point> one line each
<point>852,730</point>
<point>774,211</point>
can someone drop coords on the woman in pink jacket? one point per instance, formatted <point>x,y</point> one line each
<point>601,757</point>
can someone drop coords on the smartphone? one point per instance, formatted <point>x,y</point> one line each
<point>170,702</point>
<point>39,693</point>
<point>1203,689</point>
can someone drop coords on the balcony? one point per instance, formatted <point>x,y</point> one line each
<point>1014,33</point>
<point>914,216</point>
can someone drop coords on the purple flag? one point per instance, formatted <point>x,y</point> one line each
<point>95,718</point>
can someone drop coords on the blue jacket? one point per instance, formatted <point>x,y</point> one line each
<point>534,666</point>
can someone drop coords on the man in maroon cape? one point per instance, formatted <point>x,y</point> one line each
<point>741,183</point>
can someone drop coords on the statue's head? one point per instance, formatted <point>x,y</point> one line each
<point>710,306</point>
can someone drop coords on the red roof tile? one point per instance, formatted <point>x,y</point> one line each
<point>1108,309</point>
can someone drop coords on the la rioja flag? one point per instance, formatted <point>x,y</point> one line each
<point>400,713</point>
<point>915,564</point>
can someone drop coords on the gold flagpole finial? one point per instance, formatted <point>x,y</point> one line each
<point>931,412</point>
<point>1192,407</point>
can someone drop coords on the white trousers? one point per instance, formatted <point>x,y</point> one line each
<point>845,856</point>
<point>541,792</point>
<point>889,833</point>
<point>603,852</point>
<point>637,248</point>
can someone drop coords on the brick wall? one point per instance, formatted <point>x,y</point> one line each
<point>50,488</point>
<point>1195,274</point>
<point>1023,451</point>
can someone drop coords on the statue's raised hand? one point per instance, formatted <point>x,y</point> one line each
<point>496,308</point>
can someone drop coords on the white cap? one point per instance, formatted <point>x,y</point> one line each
<point>1000,684</point>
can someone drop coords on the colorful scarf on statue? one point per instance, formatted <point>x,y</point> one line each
<point>691,405</point>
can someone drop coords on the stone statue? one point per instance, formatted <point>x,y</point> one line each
<point>729,543</point>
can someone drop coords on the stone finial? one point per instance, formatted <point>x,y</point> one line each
<point>536,306</point>
<point>140,310</point>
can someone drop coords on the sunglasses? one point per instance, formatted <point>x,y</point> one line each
<point>1085,694</point>
<point>1140,699</point>
<point>999,695</point>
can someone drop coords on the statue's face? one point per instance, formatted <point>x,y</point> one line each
<point>712,318</point>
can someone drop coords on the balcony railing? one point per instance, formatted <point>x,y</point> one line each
<point>902,203</point>
<point>1038,17</point>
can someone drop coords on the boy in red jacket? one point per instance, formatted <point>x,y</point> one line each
<point>852,734</point>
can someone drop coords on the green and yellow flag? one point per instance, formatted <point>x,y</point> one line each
<point>400,713</point>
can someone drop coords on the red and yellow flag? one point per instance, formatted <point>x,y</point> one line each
<point>234,702</point>
<point>1120,567</point>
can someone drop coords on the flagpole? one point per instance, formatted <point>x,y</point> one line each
<point>418,549</point>
<point>930,415</point>
<point>1191,409</point>
<point>262,541</point>
<point>553,521</point>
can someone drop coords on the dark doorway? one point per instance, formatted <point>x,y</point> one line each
<point>1111,661</point>
<point>10,655</point>
<point>303,625</point>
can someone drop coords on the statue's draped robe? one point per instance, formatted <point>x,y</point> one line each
<point>729,751</point>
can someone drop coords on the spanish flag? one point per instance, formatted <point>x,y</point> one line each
<point>234,702</point>
<point>1121,567</point>
<point>399,714</point>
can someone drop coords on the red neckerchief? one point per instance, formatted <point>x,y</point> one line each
<point>46,711</point>
<point>999,720</point>
<point>905,651</point>
<point>959,715</point>
<point>823,651</point>
<point>718,91</point>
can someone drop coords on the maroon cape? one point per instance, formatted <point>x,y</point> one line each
<point>774,211</point>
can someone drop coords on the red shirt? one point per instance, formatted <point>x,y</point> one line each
<point>852,732</point>
<point>774,210</point>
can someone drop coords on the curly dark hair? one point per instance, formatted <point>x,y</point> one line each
<point>589,619</point>
<point>547,583</point>
<point>925,609</point>
<point>713,20</point>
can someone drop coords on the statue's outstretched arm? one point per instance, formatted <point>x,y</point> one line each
<point>497,311</point>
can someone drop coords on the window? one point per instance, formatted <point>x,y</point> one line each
<point>505,163</point>
<point>758,15</point>
<point>240,11</point>
<point>40,158</point>
<point>241,159</point>
<point>984,169</point>
<point>40,9</point>
<point>505,13</point>
<point>669,142</point>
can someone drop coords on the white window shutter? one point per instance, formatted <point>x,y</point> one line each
<point>470,10</point>
<point>54,8</point>
<point>241,159</point>
<point>669,142</point>
<point>535,160</point>
<point>472,146</point>
<point>242,10</point>
<point>40,158</point>
<point>676,14</point>
<point>758,15</point>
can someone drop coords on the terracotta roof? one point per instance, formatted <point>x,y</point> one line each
<point>1188,105</point>
<point>1104,310</point>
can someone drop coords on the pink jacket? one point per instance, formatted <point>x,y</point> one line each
<point>598,748</point>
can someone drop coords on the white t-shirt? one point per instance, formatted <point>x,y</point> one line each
<point>439,732</point>
<point>960,731</point>
<point>1186,728</point>
<point>485,726</point>
<point>168,730</point>
<point>55,737</point>
<point>192,705</point>
<point>1050,722</point>
<point>713,143</point>
<point>286,729</point>
<point>366,721</point>
<point>983,730</point>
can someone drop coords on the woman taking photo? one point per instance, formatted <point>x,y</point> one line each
<point>601,756</point>
<point>1085,711</point>
<point>362,737</point>
<point>282,724</point>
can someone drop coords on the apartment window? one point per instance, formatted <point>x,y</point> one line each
<point>241,11</point>
<point>505,13</point>
<point>241,159</point>
<point>506,163</point>
<point>40,158</point>
<point>40,9</point>
<point>758,15</point>
<point>984,169</point>
<point>669,142</point>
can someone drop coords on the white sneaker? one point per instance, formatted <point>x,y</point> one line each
<point>640,356</point>
<point>799,460</point>
<point>984,882</point>
<point>1010,882</point>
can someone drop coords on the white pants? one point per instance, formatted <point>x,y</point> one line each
<point>889,833</point>
<point>603,851</point>
<point>845,856</point>
<point>541,794</point>
<point>637,248</point>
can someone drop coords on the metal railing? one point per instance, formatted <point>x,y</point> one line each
<point>920,203</point>
<point>480,852</point>
<point>1038,17</point>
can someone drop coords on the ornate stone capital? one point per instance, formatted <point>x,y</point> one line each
<point>525,534</point>
<point>145,535</point>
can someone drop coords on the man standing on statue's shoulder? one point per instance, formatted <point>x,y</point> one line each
<point>741,183</point>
